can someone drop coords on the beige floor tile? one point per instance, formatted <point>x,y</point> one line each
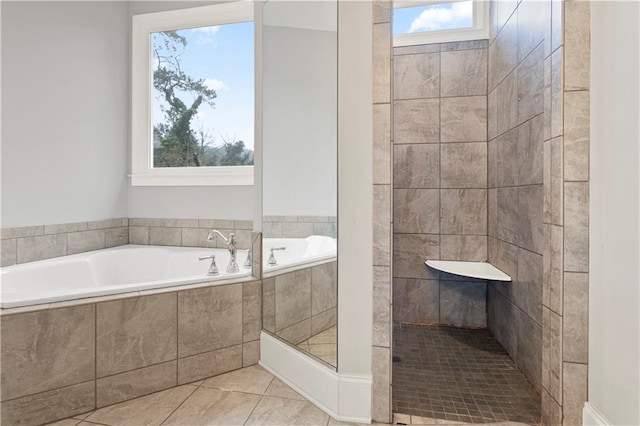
<point>214,407</point>
<point>334,422</point>
<point>146,410</point>
<point>328,336</point>
<point>254,379</point>
<point>83,415</point>
<point>279,389</point>
<point>282,412</point>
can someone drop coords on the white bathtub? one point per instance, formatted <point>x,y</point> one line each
<point>111,271</point>
<point>134,268</point>
<point>298,252</point>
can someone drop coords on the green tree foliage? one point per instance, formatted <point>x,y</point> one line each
<point>176,144</point>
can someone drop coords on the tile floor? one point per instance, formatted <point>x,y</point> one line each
<point>250,396</point>
<point>323,345</point>
<point>458,375</point>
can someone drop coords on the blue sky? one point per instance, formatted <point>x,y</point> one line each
<point>223,56</point>
<point>433,17</point>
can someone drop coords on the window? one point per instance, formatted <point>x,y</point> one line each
<point>437,21</point>
<point>193,96</point>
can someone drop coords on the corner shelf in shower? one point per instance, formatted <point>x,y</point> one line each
<point>480,270</point>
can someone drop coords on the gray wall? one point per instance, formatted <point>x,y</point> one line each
<point>439,180</point>
<point>65,116</point>
<point>64,112</point>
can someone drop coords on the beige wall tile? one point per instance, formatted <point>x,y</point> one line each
<point>209,318</point>
<point>464,45</point>
<point>324,287</point>
<point>140,221</point>
<point>197,237</point>
<point>165,236</point>
<point>557,22</point>
<point>21,232</point>
<point>576,136</point>
<point>134,333</point>
<point>531,85</point>
<point>533,24</point>
<point>530,234</point>
<point>416,211</point>
<point>381,11</point>
<point>508,214</point>
<point>552,353</point>
<point>547,99</point>
<point>132,384</point>
<point>576,44</point>
<point>250,353</point>
<point>574,393</point>
<point>492,114</point>
<point>576,226</point>
<point>492,163</point>
<point>463,73</point>
<point>556,274</point>
<point>416,166</point>
<point>209,364</point>
<point>104,224</point>
<point>502,319</point>
<point>181,223</point>
<point>293,298</point>
<point>463,165</point>
<point>251,310</point>
<point>381,389</point>
<point>9,252</point>
<point>463,247</point>
<point>419,48</point>
<point>529,357</point>
<point>326,319</point>
<point>463,211</point>
<point>272,229</point>
<point>326,229</point>
<point>49,406</point>
<point>382,144</point>
<point>416,121</point>
<point>382,306</point>
<point>507,103</point>
<point>243,224</point>
<point>463,119</point>
<point>507,158</point>
<point>416,76</point>
<point>381,63</point>
<point>576,317</point>
<point>138,235</point>
<point>41,351</point>
<point>527,288</point>
<point>557,93</point>
<point>529,158</point>
<point>269,304</point>
<point>463,304</point>
<point>557,181</point>
<point>503,52</point>
<point>410,252</point>
<point>416,301</point>
<point>116,236</point>
<point>505,11</point>
<point>381,225</point>
<point>30,249</point>
<point>551,411</point>
<point>296,333</point>
<point>79,242</point>
<point>216,223</point>
<point>296,230</point>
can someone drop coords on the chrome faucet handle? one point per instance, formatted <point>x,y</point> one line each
<point>272,259</point>
<point>213,268</point>
<point>248,262</point>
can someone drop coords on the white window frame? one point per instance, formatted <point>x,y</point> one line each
<point>142,171</point>
<point>479,30</point>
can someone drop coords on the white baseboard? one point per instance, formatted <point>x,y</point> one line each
<point>344,397</point>
<point>592,417</point>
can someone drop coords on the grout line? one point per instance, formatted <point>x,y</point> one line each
<point>254,409</point>
<point>195,388</point>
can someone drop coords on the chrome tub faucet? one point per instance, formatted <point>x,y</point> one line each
<point>231,245</point>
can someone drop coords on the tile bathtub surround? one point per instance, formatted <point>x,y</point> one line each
<point>32,243</point>
<point>440,197</point>
<point>538,194</point>
<point>299,226</point>
<point>83,357</point>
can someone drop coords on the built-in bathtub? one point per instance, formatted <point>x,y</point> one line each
<point>298,253</point>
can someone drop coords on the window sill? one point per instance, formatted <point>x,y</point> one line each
<point>218,176</point>
<point>445,36</point>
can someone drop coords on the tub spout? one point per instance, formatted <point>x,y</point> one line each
<point>231,245</point>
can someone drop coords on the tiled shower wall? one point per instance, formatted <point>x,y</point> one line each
<point>439,180</point>
<point>538,115</point>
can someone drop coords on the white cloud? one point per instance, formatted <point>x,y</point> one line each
<point>443,17</point>
<point>204,35</point>
<point>210,31</point>
<point>215,84</point>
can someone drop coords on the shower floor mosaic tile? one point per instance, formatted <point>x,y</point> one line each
<point>458,375</point>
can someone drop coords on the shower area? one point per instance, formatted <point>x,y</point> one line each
<point>481,155</point>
